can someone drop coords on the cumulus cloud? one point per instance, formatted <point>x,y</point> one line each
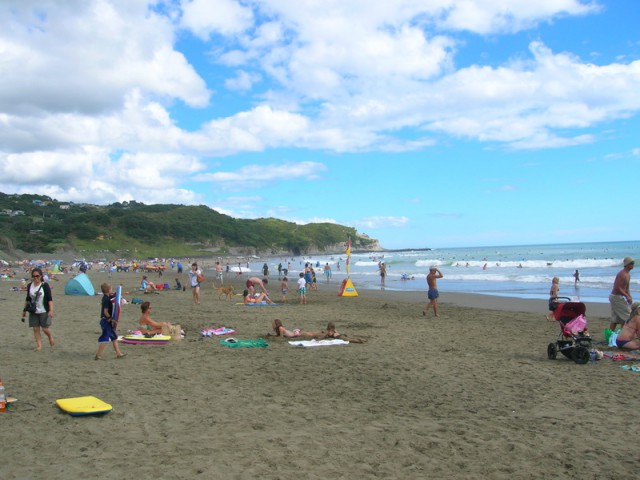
<point>89,84</point>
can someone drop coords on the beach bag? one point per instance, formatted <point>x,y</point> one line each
<point>32,306</point>
<point>174,331</point>
<point>200,278</point>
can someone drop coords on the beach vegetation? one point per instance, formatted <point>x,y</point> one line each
<point>47,225</point>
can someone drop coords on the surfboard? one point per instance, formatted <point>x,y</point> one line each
<point>142,340</point>
<point>116,307</point>
<point>80,406</point>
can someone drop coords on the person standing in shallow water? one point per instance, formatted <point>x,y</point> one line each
<point>39,292</point>
<point>432,293</point>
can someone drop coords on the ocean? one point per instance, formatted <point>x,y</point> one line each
<point>523,271</point>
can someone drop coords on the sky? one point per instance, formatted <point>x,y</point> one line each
<point>421,123</point>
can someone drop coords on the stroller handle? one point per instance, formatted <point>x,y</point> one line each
<point>568,299</point>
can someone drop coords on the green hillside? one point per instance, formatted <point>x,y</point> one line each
<point>36,223</point>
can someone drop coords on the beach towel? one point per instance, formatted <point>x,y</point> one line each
<point>210,332</point>
<point>261,304</point>
<point>318,343</point>
<point>251,343</point>
<point>629,367</point>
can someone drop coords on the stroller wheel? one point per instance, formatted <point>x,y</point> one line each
<point>581,355</point>
<point>552,351</point>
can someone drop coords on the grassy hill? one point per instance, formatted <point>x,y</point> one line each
<point>36,223</point>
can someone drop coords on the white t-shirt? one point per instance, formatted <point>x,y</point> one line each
<point>39,299</point>
<point>301,283</point>
<point>194,277</point>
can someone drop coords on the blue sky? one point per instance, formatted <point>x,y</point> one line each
<point>434,123</point>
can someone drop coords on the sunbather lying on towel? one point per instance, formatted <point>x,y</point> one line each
<point>249,298</point>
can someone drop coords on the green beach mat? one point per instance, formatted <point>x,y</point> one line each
<point>253,343</point>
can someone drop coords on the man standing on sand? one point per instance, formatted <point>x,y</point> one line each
<point>620,298</point>
<point>432,294</point>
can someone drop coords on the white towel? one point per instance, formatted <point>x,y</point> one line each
<point>318,343</point>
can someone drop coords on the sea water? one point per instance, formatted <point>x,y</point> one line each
<point>523,271</point>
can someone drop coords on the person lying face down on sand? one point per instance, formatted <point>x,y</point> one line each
<point>147,325</point>
<point>249,298</point>
<point>331,332</point>
<point>281,331</point>
<point>629,336</point>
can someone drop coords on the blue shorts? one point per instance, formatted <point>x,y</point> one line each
<point>108,333</point>
<point>432,294</point>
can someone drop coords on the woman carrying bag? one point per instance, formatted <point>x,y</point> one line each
<point>39,304</point>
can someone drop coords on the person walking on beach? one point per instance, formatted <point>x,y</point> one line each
<point>219,273</point>
<point>194,276</point>
<point>39,304</point>
<point>302,289</point>
<point>284,288</point>
<point>576,278</point>
<point>107,324</point>
<point>620,298</point>
<point>432,293</point>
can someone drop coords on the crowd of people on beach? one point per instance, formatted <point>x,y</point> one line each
<point>625,314</point>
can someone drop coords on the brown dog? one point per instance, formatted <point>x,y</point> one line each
<point>225,291</point>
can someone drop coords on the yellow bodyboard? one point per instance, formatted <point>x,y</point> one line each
<point>79,406</point>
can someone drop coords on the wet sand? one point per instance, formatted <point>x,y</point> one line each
<point>470,394</point>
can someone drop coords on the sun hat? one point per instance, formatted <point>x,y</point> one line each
<point>627,261</point>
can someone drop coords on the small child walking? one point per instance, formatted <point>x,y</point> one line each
<point>302,289</point>
<point>284,288</point>
<point>107,323</point>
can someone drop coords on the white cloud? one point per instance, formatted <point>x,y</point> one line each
<point>205,17</point>
<point>253,175</point>
<point>86,56</point>
<point>94,84</point>
<point>382,222</point>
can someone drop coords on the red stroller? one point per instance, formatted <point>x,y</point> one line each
<point>574,341</point>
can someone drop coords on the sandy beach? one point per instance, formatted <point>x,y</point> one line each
<point>468,395</point>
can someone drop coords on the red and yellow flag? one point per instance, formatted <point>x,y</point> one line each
<point>348,252</point>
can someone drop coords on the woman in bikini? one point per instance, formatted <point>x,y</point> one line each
<point>148,326</point>
<point>281,331</point>
<point>629,336</point>
<point>248,298</point>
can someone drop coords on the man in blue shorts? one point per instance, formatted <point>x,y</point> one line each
<point>432,293</point>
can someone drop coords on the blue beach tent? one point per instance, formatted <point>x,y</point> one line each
<point>79,285</point>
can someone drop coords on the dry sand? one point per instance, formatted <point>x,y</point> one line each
<point>468,395</point>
